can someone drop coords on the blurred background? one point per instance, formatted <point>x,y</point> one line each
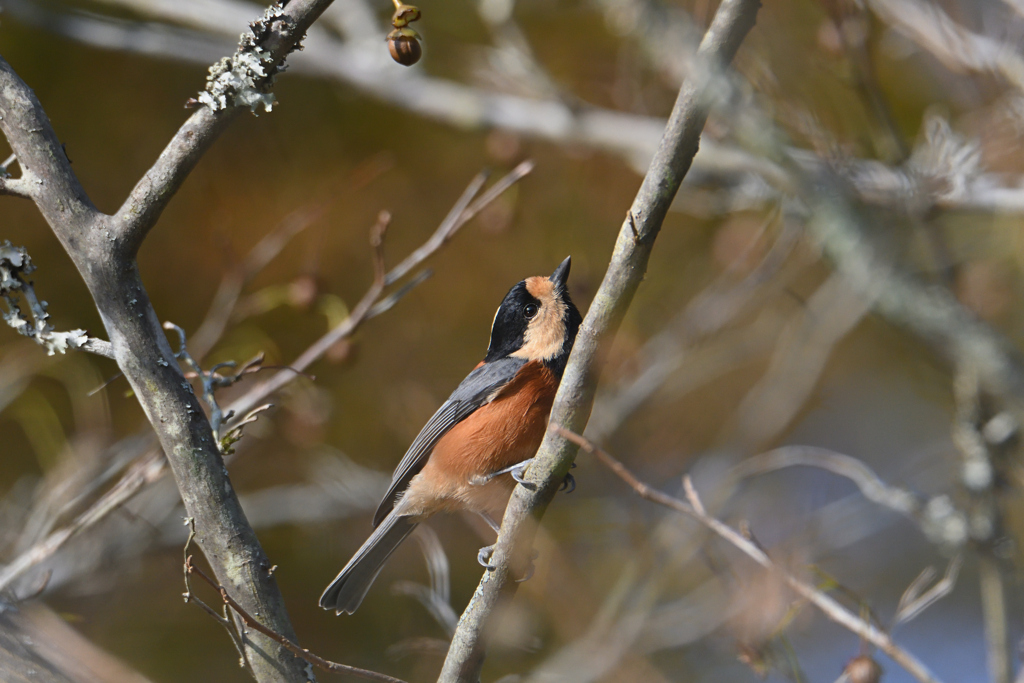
<point>764,323</point>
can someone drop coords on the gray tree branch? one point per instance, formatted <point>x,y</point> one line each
<point>573,403</point>
<point>103,249</point>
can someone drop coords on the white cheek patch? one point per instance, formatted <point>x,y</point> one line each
<point>545,334</point>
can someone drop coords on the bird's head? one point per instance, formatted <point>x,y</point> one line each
<point>537,321</point>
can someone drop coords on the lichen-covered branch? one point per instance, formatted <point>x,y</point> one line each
<point>14,264</point>
<point>103,249</point>
<point>572,406</point>
<point>237,83</point>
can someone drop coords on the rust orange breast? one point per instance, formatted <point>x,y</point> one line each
<point>500,434</point>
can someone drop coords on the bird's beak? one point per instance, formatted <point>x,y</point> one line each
<point>561,274</point>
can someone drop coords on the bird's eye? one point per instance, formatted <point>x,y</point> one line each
<point>530,310</point>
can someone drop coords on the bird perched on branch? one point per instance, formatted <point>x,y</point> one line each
<point>472,451</point>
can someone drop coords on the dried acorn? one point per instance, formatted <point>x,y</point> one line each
<point>404,46</point>
<point>403,42</point>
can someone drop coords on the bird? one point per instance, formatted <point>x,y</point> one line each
<point>474,449</point>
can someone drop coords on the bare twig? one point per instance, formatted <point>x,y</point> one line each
<point>15,263</point>
<point>152,466</point>
<point>373,302</point>
<point>268,41</point>
<point>250,621</point>
<point>916,600</point>
<point>832,609</point>
<point>576,394</point>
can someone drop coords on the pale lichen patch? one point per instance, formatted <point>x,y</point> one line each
<point>243,79</point>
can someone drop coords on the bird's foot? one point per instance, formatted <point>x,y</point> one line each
<point>517,471</point>
<point>531,568</point>
<point>484,557</point>
<point>569,482</point>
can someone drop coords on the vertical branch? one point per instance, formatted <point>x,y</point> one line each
<point>993,609</point>
<point>573,403</point>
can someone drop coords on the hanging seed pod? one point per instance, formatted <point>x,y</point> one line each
<point>862,669</point>
<point>403,42</point>
<point>404,46</point>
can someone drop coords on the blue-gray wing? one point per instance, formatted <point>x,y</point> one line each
<point>476,390</point>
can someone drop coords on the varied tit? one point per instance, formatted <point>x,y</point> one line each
<point>472,451</point>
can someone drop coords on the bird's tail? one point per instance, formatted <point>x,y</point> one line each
<point>348,589</point>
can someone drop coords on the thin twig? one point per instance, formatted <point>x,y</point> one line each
<point>250,621</point>
<point>832,609</point>
<point>372,302</point>
<point>152,466</point>
<point>916,600</point>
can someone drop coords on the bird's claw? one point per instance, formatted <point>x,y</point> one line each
<point>530,568</point>
<point>568,484</point>
<point>484,557</point>
<point>518,472</point>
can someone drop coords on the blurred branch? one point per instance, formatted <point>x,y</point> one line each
<point>361,64</point>
<point>916,600</point>
<point>253,623</point>
<point>799,358</point>
<point>979,477</point>
<point>37,645</point>
<point>238,276</point>
<point>574,400</point>
<point>930,311</point>
<point>694,509</point>
<point>671,350</point>
<point>146,470</point>
<point>870,485</point>
<point>955,46</point>
<point>940,521</point>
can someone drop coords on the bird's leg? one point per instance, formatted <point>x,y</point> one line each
<point>517,471</point>
<point>491,522</point>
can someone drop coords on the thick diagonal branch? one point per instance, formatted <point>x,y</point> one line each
<point>150,196</point>
<point>573,403</point>
<point>103,249</point>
